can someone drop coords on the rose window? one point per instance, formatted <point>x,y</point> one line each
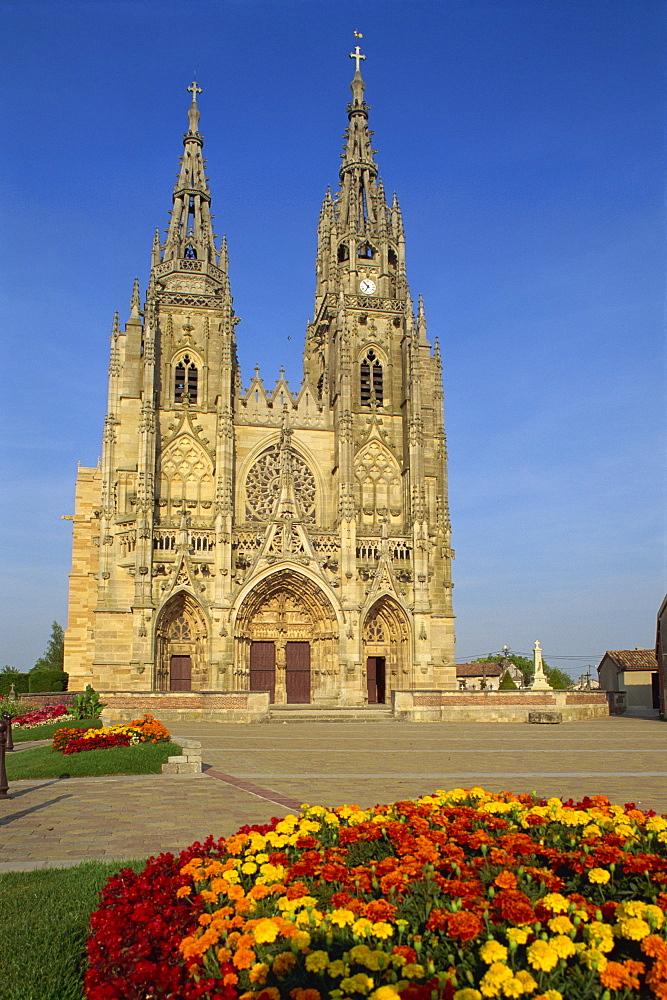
<point>263,486</point>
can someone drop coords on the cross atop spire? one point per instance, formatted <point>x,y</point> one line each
<point>357,56</point>
<point>194,89</point>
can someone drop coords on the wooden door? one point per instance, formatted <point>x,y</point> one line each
<point>180,673</point>
<point>263,668</point>
<point>375,680</point>
<point>297,673</point>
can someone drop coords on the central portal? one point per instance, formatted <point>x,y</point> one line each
<point>286,632</point>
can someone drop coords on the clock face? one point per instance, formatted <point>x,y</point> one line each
<point>367,286</point>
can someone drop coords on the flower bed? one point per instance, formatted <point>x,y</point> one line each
<point>460,895</point>
<point>42,716</point>
<point>143,730</point>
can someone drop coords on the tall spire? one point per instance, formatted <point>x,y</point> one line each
<point>358,202</point>
<point>190,233</point>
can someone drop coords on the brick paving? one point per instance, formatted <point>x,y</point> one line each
<point>258,771</point>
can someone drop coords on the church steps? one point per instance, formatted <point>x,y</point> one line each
<point>314,713</point>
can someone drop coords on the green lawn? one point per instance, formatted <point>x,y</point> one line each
<point>45,917</point>
<point>46,731</point>
<point>41,762</point>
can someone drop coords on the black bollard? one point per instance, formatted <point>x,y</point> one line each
<point>4,785</point>
<point>10,739</point>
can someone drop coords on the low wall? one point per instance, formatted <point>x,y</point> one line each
<point>496,706</point>
<point>186,706</point>
<point>44,699</point>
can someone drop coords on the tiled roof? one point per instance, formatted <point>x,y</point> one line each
<point>633,659</point>
<point>478,669</point>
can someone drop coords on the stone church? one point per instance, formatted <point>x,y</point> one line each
<point>260,539</point>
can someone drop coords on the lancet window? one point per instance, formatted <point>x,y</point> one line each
<point>185,380</point>
<point>371,379</point>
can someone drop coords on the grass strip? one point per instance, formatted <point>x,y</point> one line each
<point>46,731</point>
<point>42,762</point>
<point>45,916</point>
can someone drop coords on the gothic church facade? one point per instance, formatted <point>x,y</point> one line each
<point>237,539</point>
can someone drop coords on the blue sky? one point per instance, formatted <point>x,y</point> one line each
<point>525,142</point>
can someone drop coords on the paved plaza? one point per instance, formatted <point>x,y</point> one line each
<point>254,772</point>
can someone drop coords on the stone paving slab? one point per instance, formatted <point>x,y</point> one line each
<point>258,771</point>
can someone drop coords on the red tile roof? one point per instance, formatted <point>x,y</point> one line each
<point>478,669</point>
<point>633,659</point>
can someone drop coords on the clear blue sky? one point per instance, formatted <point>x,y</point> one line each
<point>525,141</point>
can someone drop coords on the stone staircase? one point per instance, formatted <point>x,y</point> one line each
<point>317,713</point>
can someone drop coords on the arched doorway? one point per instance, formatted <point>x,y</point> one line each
<point>386,650</point>
<point>181,638</point>
<point>286,640</point>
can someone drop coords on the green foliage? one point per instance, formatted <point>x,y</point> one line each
<point>87,705</point>
<point>15,706</point>
<point>42,762</point>
<point>558,678</point>
<point>8,670</point>
<point>45,917</point>
<point>20,682</point>
<point>48,680</point>
<point>507,684</point>
<point>54,656</point>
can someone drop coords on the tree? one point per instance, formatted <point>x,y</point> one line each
<point>55,651</point>
<point>507,684</point>
<point>557,678</point>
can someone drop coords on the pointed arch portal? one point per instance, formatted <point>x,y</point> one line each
<point>286,639</point>
<point>181,639</point>
<point>386,650</point>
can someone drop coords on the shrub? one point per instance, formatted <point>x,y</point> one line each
<point>48,680</point>
<point>20,682</point>
<point>14,706</point>
<point>507,683</point>
<point>87,705</point>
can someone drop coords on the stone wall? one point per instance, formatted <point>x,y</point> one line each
<point>496,706</point>
<point>186,706</point>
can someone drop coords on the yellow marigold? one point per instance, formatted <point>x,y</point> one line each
<point>634,928</point>
<point>593,959</point>
<point>467,994</point>
<point>560,925</point>
<point>391,993</point>
<point>592,830</point>
<point>413,970</point>
<point>562,945</point>
<point>283,962</point>
<point>360,983</point>
<point>654,915</point>
<point>513,987</point>
<point>542,956</point>
<point>258,973</point>
<point>249,868</point>
<point>317,961</point>
<point>556,902</point>
<point>342,918</point>
<point>599,876</point>
<point>626,831</point>
<point>527,981</point>
<point>265,931</point>
<point>492,981</point>
<point>517,935</point>
<point>382,929</point>
<point>656,824</point>
<point>549,995</point>
<point>493,951</point>
<point>337,968</point>
<point>361,927</point>
<point>302,940</point>
<point>600,935</point>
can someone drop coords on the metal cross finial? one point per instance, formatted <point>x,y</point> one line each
<point>357,55</point>
<point>194,90</point>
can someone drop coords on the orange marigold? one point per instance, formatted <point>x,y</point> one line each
<point>617,975</point>
<point>654,946</point>
<point>506,880</point>
<point>243,958</point>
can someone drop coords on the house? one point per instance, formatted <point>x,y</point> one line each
<point>634,671</point>
<point>479,676</point>
<point>661,658</point>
